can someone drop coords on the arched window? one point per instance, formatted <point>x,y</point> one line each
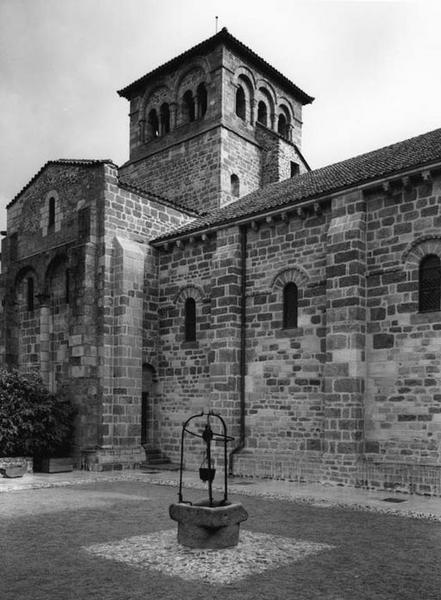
<point>190,320</point>
<point>240,103</point>
<point>30,293</point>
<point>235,185</point>
<point>165,118</point>
<point>51,216</point>
<point>188,107</point>
<point>262,113</point>
<point>153,124</point>
<point>290,302</point>
<point>202,100</point>
<point>430,283</point>
<point>282,126</point>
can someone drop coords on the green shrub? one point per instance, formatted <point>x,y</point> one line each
<point>33,422</point>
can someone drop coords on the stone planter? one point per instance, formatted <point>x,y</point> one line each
<point>208,526</point>
<point>15,466</point>
<point>55,465</point>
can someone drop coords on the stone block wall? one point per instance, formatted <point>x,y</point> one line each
<point>241,157</point>
<point>127,298</point>
<point>284,399</point>
<point>403,401</point>
<point>52,329</point>
<point>184,366</point>
<point>277,156</point>
<point>186,171</point>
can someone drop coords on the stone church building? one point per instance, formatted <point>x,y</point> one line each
<point>216,270</point>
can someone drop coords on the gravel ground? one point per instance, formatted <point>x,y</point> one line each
<point>53,545</point>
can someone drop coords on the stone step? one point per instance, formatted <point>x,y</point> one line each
<point>159,466</point>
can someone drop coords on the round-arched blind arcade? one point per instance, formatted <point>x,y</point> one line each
<point>430,283</point>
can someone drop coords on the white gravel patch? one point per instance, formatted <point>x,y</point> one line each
<point>255,553</point>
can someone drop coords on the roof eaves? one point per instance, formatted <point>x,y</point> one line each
<point>307,199</point>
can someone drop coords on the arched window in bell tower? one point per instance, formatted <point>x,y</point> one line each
<point>240,103</point>
<point>201,94</point>
<point>188,107</point>
<point>262,113</point>
<point>165,118</point>
<point>153,124</point>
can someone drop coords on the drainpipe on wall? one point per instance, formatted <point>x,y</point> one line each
<point>242,353</point>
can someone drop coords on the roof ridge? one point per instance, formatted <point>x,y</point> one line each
<point>225,36</point>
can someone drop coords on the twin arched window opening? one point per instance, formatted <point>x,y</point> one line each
<point>430,283</point>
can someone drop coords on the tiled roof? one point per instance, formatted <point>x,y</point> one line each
<point>136,189</point>
<point>61,161</point>
<point>395,159</point>
<point>222,37</point>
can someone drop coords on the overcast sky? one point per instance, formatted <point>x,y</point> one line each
<point>373,68</point>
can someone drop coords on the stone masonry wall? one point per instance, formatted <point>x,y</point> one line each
<point>284,403</point>
<point>184,366</point>
<point>56,334</point>
<point>403,401</point>
<point>128,300</point>
<point>187,172</point>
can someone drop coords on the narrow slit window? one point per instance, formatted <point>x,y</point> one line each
<point>240,103</point>
<point>190,320</point>
<point>295,169</point>
<point>235,185</point>
<point>430,284</point>
<point>290,305</point>
<point>30,294</point>
<point>51,217</point>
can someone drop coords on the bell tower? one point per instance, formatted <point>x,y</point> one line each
<point>212,125</point>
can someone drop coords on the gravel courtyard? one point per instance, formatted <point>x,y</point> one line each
<point>115,541</point>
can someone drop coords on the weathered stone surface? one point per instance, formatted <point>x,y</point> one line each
<point>208,527</point>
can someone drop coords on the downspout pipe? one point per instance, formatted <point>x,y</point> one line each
<point>242,352</point>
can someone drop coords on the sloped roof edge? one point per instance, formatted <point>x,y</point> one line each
<point>61,161</point>
<point>136,189</point>
<point>398,159</point>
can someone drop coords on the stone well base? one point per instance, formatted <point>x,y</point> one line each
<point>208,527</point>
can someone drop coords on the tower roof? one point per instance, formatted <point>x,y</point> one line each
<point>223,37</point>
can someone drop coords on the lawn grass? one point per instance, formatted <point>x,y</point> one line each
<point>43,532</point>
